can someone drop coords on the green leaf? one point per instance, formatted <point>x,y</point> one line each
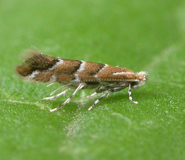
<point>139,35</point>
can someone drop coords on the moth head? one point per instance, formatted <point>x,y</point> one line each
<point>141,78</point>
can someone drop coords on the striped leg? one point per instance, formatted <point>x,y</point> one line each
<point>58,95</point>
<point>81,85</point>
<point>98,100</point>
<point>130,95</point>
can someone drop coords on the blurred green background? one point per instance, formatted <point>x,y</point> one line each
<point>137,34</point>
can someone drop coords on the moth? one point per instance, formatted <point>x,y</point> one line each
<point>77,75</point>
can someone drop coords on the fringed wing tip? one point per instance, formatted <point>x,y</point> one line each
<point>24,69</point>
<point>34,60</point>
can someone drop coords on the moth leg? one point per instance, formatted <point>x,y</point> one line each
<point>92,95</point>
<point>50,84</point>
<point>81,85</point>
<point>58,95</point>
<point>130,95</point>
<point>59,89</point>
<point>98,100</point>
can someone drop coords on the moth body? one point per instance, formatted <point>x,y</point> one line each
<point>75,74</point>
